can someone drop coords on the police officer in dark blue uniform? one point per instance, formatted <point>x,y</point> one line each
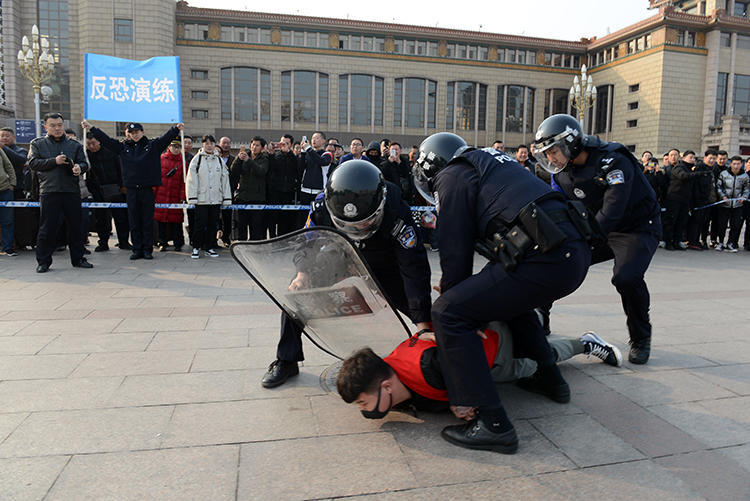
<point>609,181</point>
<point>359,202</point>
<point>489,202</point>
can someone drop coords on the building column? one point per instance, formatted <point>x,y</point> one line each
<point>730,134</point>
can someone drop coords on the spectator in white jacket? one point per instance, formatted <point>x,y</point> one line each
<point>208,189</point>
<point>733,187</point>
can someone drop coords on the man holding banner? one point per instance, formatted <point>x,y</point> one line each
<point>144,91</point>
<point>141,171</point>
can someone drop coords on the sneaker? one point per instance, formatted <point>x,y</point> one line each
<point>196,254</point>
<point>596,346</point>
<point>101,248</point>
<point>212,253</point>
<point>732,248</point>
<point>662,244</point>
<point>680,246</point>
<point>9,253</point>
<point>719,246</point>
<point>162,247</point>
<point>640,351</point>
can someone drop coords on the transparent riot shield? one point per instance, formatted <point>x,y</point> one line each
<point>318,277</point>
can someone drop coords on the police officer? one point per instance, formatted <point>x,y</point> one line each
<point>370,211</point>
<point>608,179</point>
<point>489,201</point>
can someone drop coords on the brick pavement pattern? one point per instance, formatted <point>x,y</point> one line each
<point>142,381</point>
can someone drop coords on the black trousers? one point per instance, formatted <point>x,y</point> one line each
<point>632,254</point>
<point>141,217</point>
<point>281,222</point>
<point>104,219</point>
<point>170,231</point>
<point>290,344</point>
<point>746,216</point>
<point>51,205</point>
<point>226,226</point>
<point>697,225</point>
<point>26,226</point>
<point>206,222</point>
<point>675,221</point>
<point>251,223</point>
<point>497,294</point>
<point>190,225</point>
<point>733,216</point>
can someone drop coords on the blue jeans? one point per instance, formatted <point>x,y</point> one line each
<point>6,221</point>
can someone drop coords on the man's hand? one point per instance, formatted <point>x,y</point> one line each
<point>180,126</point>
<point>301,281</point>
<point>85,125</point>
<point>61,159</point>
<point>464,412</point>
<point>242,155</point>
<point>76,170</point>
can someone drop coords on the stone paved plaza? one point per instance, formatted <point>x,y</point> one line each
<point>141,380</point>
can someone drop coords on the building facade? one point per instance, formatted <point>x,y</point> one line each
<point>679,78</point>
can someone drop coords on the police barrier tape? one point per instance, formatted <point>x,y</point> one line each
<point>717,203</point>
<point>119,205</point>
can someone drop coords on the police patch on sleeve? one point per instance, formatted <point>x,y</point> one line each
<point>615,177</point>
<point>407,237</point>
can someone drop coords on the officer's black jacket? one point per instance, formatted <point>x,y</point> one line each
<point>385,253</point>
<point>611,184</point>
<point>475,189</point>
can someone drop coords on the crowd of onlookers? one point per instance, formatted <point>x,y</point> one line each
<point>700,198</point>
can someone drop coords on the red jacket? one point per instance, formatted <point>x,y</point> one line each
<point>172,189</point>
<point>406,359</point>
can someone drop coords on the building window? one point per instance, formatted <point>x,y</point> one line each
<point>633,105</point>
<point>245,94</point>
<point>556,101</point>
<point>199,74</point>
<point>515,106</point>
<point>264,35</point>
<point>686,38</point>
<point>124,30</point>
<point>726,39</point>
<point>304,97</point>
<point>634,87</point>
<point>630,147</point>
<point>721,97</point>
<point>600,116</point>
<point>741,102</point>
<point>630,124</point>
<point>467,103</point>
<point>53,21</point>
<point>740,8</point>
<point>199,114</point>
<point>195,31</point>
<point>743,42</point>
<point>360,100</point>
<point>414,103</point>
<point>199,94</point>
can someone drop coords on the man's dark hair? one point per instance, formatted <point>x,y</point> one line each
<point>395,143</point>
<point>289,137</point>
<point>7,129</point>
<point>361,373</point>
<point>522,146</point>
<point>736,157</point>
<point>295,143</point>
<point>358,139</point>
<point>208,137</point>
<point>186,136</point>
<point>688,152</point>
<point>710,152</point>
<point>647,152</point>
<point>497,141</point>
<point>333,140</point>
<point>260,140</point>
<point>322,134</point>
<point>70,131</point>
<point>53,116</point>
<point>673,149</point>
<point>414,147</point>
<point>386,141</point>
<point>722,152</point>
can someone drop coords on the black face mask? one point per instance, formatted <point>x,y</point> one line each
<point>376,413</point>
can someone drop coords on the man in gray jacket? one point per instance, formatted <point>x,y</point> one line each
<point>58,161</point>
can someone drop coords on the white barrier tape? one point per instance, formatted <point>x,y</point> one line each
<point>115,205</point>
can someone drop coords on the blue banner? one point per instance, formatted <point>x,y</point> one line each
<point>122,90</point>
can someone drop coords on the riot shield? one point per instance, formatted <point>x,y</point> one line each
<point>317,276</point>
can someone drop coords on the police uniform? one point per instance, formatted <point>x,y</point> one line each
<point>481,193</point>
<point>396,256</point>
<point>612,185</point>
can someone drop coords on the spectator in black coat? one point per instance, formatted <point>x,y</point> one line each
<point>704,193</point>
<point>657,178</point>
<point>282,182</point>
<point>679,198</point>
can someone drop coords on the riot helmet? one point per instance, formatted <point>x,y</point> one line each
<point>434,154</point>
<point>559,139</point>
<point>355,198</point>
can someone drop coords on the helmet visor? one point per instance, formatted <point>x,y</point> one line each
<point>423,184</point>
<point>364,228</point>
<point>554,154</point>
